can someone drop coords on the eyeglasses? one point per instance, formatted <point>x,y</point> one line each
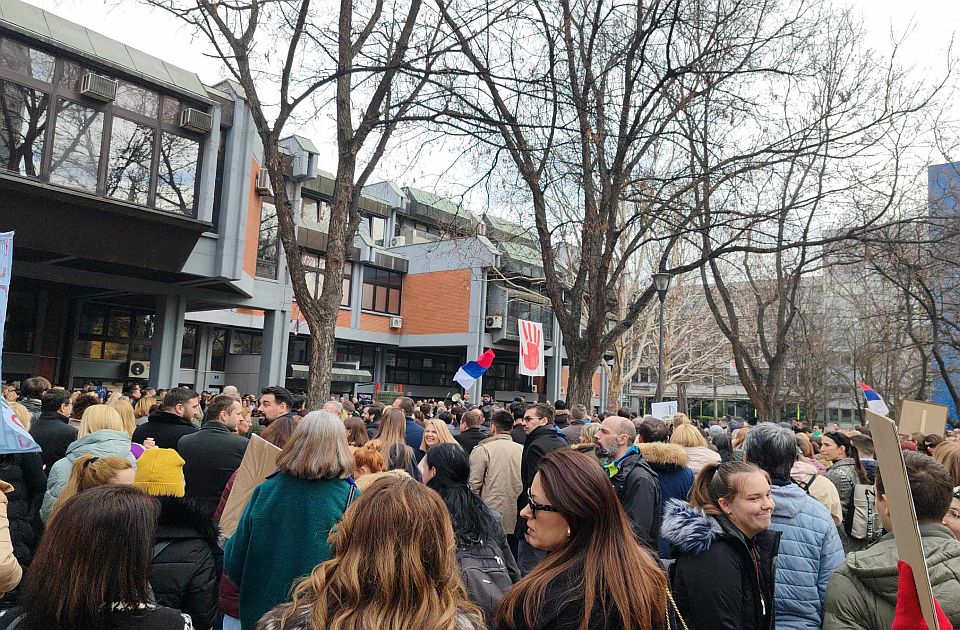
<point>534,506</point>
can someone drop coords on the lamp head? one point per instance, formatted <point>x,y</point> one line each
<point>662,282</point>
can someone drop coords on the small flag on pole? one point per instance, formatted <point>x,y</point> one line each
<point>472,370</point>
<point>874,401</point>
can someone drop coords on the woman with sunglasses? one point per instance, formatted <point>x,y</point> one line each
<point>595,575</point>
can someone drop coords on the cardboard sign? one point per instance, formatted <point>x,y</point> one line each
<point>896,487</point>
<point>259,460</point>
<point>922,417</point>
<point>664,410</point>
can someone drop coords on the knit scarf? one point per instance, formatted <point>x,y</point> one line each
<point>613,467</point>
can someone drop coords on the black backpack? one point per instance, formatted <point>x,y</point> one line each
<point>485,575</point>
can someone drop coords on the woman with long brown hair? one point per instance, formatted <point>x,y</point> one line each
<point>595,575</point>
<point>723,575</point>
<point>411,581</point>
<point>393,428</point>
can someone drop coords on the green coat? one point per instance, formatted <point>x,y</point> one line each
<point>863,591</point>
<point>281,536</point>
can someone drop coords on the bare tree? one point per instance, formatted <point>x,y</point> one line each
<point>602,103</point>
<point>294,59</point>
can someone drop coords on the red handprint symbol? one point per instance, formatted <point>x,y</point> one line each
<point>530,349</point>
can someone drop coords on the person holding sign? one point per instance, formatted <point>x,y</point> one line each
<point>862,592</point>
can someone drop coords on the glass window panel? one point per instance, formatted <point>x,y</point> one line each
<point>218,353</point>
<point>380,300</point>
<point>256,343</point>
<point>345,300</point>
<point>393,302</point>
<point>22,59</point>
<point>89,350</point>
<point>70,75</point>
<point>314,282</point>
<point>189,338</point>
<point>308,208</point>
<point>23,123</point>
<point>131,153</point>
<point>143,327</point>
<point>366,300</point>
<point>114,351</point>
<point>140,351</point>
<point>92,319</point>
<point>137,99</point>
<point>177,178</point>
<point>119,325</point>
<point>75,158</point>
<point>311,260</point>
<point>170,111</point>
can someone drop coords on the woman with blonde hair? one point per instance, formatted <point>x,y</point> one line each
<point>127,414</point>
<point>22,414</point>
<point>413,582</point>
<point>309,493</point>
<point>144,407</point>
<point>586,445</point>
<point>948,454</point>
<point>90,471</point>
<point>693,442</point>
<point>101,434</point>
<point>436,431</point>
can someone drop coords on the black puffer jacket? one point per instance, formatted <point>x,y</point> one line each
<point>182,574</point>
<point>538,443</point>
<point>24,471</point>
<point>165,428</point>
<point>721,580</point>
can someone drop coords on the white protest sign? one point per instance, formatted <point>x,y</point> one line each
<point>663,410</point>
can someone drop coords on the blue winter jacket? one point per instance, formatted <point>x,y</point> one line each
<point>810,550</point>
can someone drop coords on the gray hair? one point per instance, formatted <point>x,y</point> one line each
<point>578,411</point>
<point>773,448</point>
<point>333,406</point>
<point>317,449</point>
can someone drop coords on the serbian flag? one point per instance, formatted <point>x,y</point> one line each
<point>472,370</point>
<point>874,402</point>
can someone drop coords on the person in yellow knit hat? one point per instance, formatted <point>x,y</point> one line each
<point>182,572</point>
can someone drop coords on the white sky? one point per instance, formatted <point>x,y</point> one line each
<point>933,23</point>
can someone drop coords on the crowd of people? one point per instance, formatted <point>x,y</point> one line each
<point>449,515</point>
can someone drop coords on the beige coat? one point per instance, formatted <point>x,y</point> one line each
<point>700,456</point>
<point>821,489</point>
<point>10,571</point>
<point>495,476</point>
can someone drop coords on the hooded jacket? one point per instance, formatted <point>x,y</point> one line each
<point>102,443</point>
<point>714,580</point>
<point>863,592</point>
<point>165,428</point>
<point>669,461</point>
<point>638,489</point>
<point>809,552</point>
<point>183,574</point>
<point>700,456</point>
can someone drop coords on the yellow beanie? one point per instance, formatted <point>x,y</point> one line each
<point>160,473</point>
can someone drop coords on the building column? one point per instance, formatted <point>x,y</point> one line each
<point>555,368</point>
<point>203,356</point>
<point>167,342</point>
<point>273,353</point>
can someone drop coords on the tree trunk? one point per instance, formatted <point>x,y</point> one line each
<point>615,382</point>
<point>580,381</point>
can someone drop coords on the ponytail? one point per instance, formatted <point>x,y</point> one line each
<point>90,471</point>
<point>851,451</point>
<point>717,481</point>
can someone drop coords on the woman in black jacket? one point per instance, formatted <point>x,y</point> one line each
<point>486,562</point>
<point>23,471</point>
<point>725,553</point>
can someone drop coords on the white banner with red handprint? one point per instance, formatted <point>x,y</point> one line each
<point>531,348</point>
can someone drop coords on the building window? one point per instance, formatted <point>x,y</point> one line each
<point>114,333</point>
<point>78,135</point>
<point>29,62</point>
<point>411,368</point>
<point>131,154</point>
<point>313,267</point>
<point>177,177</point>
<point>362,355</point>
<point>381,290</point>
<point>268,245</point>
<point>218,350</point>
<point>23,122</point>
<point>377,227</point>
<point>188,349</point>
<point>245,342</point>
<point>503,376</point>
<point>531,312</point>
<point>20,329</point>
<point>315,210</point>
<point>299,350</point>
<point>218,181</point>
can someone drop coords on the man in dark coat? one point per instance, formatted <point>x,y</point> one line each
<point>213,453</point>
<point>637,486</point>
<point>52,430</point>
<point>172,421</point>
<point>371,416</point>
<point>470,433</point>
<point>542,437</point>
<point>31,392</point>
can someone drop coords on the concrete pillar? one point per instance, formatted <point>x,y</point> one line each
<point>273,354</point>
<point>204,334</point>
<point>555,366</point>
<point>167,342</point>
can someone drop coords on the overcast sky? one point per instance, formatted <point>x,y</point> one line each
<point>933,24</point>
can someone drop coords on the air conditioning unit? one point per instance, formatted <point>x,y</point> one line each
<point>396,322</point>
<point>398,241</point>
<point>262,185</point>
<point>99,87</point>
<point>195,120</point>
<point>138,369</point>
<point>494,322</point>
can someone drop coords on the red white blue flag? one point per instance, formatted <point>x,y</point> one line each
<point>874,401</point>
<point>472,370</point>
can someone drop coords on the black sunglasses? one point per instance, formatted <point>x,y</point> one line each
<point>534,506</point>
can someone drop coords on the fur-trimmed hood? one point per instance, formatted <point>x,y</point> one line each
<point>664,454</point>
<point>689,529</point>
<point>185,518</point>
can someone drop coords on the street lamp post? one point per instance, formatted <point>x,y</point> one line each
<point>662,282</point>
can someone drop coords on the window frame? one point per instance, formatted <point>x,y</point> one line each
<point>395,281</point>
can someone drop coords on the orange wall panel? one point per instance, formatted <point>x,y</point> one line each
<point>375,323</point>
<point>436,303</point>
<point>252,230</point>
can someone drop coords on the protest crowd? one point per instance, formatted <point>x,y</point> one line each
<point>170,510</point>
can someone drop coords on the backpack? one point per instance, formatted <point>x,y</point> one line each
<point>809,482</point>
<point>861,520</point>
<point>485,576</point>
